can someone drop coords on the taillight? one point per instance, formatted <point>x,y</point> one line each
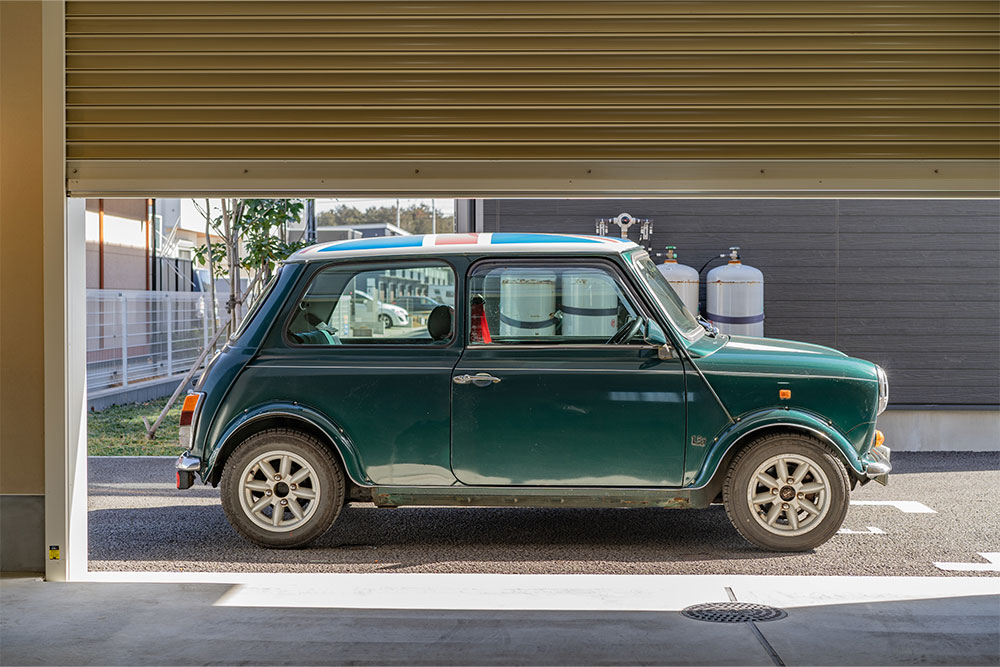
<point>189,415</point>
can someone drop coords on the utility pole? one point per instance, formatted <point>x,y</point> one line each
<point>434,218</point>
<point>310,221</point>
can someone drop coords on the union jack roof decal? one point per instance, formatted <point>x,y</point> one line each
<point>461,243</point>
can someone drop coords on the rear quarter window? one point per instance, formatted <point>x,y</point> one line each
<point>375,304</point>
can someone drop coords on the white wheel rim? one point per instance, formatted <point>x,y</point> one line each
<point>279,491</point>
<point>789,495</point>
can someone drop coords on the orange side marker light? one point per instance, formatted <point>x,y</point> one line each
<point>187,410</point>
<point>879,439</point>
<point>784,394</point>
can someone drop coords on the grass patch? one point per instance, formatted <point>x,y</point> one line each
<point>119,431</point>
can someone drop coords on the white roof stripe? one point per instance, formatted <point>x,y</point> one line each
<point>489,243</point>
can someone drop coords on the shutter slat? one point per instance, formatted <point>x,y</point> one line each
<point>338,116</point>
<point>511,82</point>
<point>570,8</point>
<point>541,47</point>
<point>197,31</point>
<point>504,150</point>
<point>957,99</point>
<point>540,136</point>
<point>677,62</point>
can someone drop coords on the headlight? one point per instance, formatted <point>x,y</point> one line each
<point>883,389</point>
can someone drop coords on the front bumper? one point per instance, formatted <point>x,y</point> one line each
<point>879,467</point>
<point>187,466</point>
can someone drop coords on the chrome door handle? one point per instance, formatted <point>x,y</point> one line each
<point>479,379</point>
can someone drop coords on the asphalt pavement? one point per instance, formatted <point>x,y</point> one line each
<point>939,507</point>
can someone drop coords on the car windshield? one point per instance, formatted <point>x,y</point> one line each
<point>685,323</point>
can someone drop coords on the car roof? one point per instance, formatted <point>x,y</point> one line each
<point>472,243</point>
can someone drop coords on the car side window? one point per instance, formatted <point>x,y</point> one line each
<point>540,303</point>
<point>404,304</point>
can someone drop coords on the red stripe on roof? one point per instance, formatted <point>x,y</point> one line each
<point>457,239</point>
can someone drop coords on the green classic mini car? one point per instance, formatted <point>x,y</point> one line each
<point>557,371</point>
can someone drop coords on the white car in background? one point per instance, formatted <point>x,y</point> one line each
<point>388,314</point>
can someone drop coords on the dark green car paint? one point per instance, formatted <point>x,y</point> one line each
<point>832,395</point>
<point>571,426</point>
<point>610,415</point>
<point>291,413</point>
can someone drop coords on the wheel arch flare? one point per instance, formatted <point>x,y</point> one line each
<point>284,415</point>
<point>727,443</point>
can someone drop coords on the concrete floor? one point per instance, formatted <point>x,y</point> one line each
<point>423,619</point>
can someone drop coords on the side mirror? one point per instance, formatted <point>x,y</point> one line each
<point>655,336</point>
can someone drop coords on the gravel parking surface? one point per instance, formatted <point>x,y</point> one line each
<point>139,521</point>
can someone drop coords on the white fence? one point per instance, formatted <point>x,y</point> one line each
<point>136,336</point>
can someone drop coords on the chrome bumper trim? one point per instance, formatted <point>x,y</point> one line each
<point>879,467</point>
<point>188,463</point>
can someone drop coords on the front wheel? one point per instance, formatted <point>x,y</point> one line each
<point>385,320</point>
<point>282,488</point>
<point>786,492</point>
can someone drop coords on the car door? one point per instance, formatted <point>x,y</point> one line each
<point>541,397</point>
<point>387,388</point>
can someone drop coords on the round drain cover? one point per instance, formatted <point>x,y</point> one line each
<point>733,612</point>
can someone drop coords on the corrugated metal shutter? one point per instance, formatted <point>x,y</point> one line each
<point>526,96</point>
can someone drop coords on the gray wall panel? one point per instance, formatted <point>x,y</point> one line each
<point>22,533</point>
<point>880,279</point>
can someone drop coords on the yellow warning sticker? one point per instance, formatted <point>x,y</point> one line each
<point>54,552</point>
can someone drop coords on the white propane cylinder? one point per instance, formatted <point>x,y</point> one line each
<point>527,303</point>
<point>682,278</point>
<point>589,304</point>
<point>735,297</point>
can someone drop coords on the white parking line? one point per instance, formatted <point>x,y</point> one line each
<point>992,566</point>
<point>908,506</point>
<point>869,530</point>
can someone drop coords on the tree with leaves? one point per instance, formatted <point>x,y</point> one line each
<point>415,218</point>
<point>254,238</point>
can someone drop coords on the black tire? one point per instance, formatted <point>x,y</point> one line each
<point>386,320</point>
<point>809,529</point>
<point>324,481</point>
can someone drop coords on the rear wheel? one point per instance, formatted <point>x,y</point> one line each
<point>282,488</point>
<point>786,492</point>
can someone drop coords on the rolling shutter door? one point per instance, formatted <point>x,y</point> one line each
<point>532,97</point>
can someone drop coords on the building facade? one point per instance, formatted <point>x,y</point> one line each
<point>913,285</point>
